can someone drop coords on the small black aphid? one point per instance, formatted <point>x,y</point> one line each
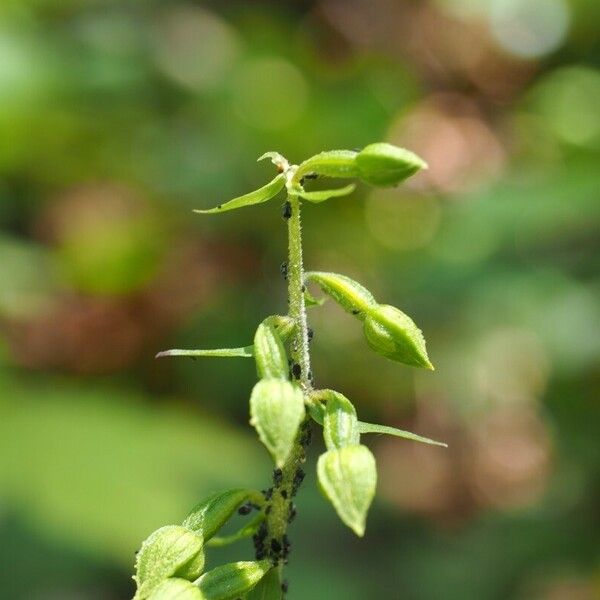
<point>277,477</point>
<point>284,494</point>
<point>303,288</point>
<point>245,509</point>
<point>355,312</point>
<point>296,370</point>
<point>268,510</point>
<point>218,206</point>
<point>283,269</point>
<point>298,479</point>
<point>306,438</point>
<point>293,512</point>
<point>285,586</point>
<point>311,334</point>
<point>260,554</point>
<point>311,176</point>
<point>267,493</point>
<point>286,210</point>
<point>275,546</point>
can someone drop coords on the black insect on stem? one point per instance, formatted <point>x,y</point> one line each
<point>283,269</point>
<point>286,210</point>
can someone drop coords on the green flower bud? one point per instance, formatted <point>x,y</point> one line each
<point>394,335</point>
<point>232,580</point>
<point>348,478</point>
<point>385,165</point>
<point>171,551</point>
<point>276,411</point>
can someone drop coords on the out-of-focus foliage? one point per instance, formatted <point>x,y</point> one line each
<point>117,119</point>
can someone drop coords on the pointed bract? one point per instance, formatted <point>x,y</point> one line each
<point>266,192</point>
<point>407,435</point>
<point>318,196</point>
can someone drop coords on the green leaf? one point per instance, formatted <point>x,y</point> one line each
<point>245,352</point>
<point>268,588</point>
<point>348,478</point>
<point>340,425</point>
<point>384,165</point>
<point>246,531</point>
<point>270,355</point>
<point>176,589</point>
<point>256,197</point>
<point>232,580</point>
<point>317,196</point>
<point>276,411</point>
<point>171,551</point>
<point>208,516</point>
<point>335,163</point>
<point>407,435</point>
<point>349,294</point>
<point>393,334</point>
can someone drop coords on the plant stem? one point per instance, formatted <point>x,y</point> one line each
<point>287,482</point>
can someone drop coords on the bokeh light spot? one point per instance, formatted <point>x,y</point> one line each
<point>196,48</point>
<point>568,101</point>
<point>270,93</point>
<point>529,28</point>
<point>402,222</point>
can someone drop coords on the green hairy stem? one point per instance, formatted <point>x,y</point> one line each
<point>170,563</point>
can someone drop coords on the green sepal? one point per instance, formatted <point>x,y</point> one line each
<point>393,334</point>
<point>276,411</point>
<point>266,192</point>
<point>171,551</point>
<point>269,353</point>
<point>318,196</point>
<point>246,531</point>
<point>335,163</point>
<point>232,580</point>
<point>384,165</point>
<point>349,294</point>
<point>407,435</point>
<point>176,589</point>
<point>340,424</point>
<point>268,588</point>
<point>244,352</point>
<point>208,516</point>
<point>348,478</point>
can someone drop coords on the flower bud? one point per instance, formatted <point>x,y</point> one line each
<point>385,165</point>
<point>171,551</point>
<point>394,335</point>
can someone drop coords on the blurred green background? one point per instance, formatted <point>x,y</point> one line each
<point>118,118</point>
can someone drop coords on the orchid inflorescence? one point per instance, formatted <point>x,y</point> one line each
<point>284,402</point>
